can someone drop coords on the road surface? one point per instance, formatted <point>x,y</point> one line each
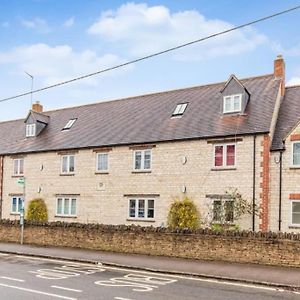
<point>23,278</point>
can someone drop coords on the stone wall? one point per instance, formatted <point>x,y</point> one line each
<point>170,173</point>
<point>281,249</point>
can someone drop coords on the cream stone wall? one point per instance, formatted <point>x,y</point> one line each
<point>108,205</point>
<point>290,185</point>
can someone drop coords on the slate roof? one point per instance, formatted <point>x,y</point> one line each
<point>147,119</point>
<point>289,116</point>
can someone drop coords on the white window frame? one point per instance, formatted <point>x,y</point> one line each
<point>30,130</point>
<point>69,124</point>
<point>180,109</point>
<point>224,165</point>
<point>18,161</point>
<point>97,162</point>
<point>291,216</point>
<point>17,212</point>
<point>146,207</point>
<point>223,201</point>
<point>63,214</point>
<point>231,97</point>
<point>68,164</point>
<point>292,158</point>
<point>142,169</point>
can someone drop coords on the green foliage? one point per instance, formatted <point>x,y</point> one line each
<point>183,214</point>
<point>37,211</point>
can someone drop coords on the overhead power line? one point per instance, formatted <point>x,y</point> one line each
<point>151,55</point>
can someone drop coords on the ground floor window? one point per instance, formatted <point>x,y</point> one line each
<point>141,208</point>
<point>66,206</point>
<point>223,211</point>
<point>16,204</point>
<point>296,212</point>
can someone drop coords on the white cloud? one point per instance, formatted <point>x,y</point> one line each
<point>37,24</point>
<point>293,81</point>
<point>69,22</point>
<point>144,29</point>
<point>50,65</point>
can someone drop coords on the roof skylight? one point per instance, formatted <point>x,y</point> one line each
<point>180,109</point>
<point>69,124</point>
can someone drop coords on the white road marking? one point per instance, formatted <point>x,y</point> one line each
<point>36,292</point>
<point>166,275</point>
<point>4,254</point>
<point>65,288</point>
<point>13,279</point>
<point>120,298</point>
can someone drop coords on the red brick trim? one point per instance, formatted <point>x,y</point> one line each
<point>295,137</point>
<point>265,184</point>
<point>294,196</point>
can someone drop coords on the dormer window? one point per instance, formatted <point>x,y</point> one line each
<point>179,110</point>
<point>30,130</point>
<point>232,103</point>
<point>69,124</point>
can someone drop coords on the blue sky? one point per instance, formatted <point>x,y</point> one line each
<point>56,40</point>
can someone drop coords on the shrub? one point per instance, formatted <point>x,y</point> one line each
<point>37,211</point>
<point>183,214</point>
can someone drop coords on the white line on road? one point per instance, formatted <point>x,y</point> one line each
<point>120,298</point>
<point>13,279</point>
<point>65,288</point>
<point>36,292</point>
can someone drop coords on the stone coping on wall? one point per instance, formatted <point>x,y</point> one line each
<point>164,230</point>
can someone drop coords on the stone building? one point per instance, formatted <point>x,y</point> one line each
<point>124,161</point>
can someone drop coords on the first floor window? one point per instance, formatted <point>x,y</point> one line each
<point>18,167</point>
<point>223,211</point>
<point>141,208</point>
<point>102,162</point>
<point>142,160</point>
<point>68,164</point>
<point>296,212</point>
<point>16,204</point>
<point>296,154</point>
<point>224,155</point>
<point>66,206</point>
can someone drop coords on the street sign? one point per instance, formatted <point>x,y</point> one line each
<point>21,181</point>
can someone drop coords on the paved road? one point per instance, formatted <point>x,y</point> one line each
<point>34,278</point>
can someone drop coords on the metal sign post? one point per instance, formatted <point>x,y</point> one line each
<point>21,181</point>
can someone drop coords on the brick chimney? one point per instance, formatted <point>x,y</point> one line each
<point>37,107</point>
<point>279,71</point>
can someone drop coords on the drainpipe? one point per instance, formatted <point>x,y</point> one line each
<point>254,182</point>
<point>1,184</point>
<point>280,189</point>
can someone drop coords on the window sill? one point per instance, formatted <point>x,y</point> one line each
<point>67,174</point>
<point>294,167</point>
<point>140,220</point>
<point>141,171</point>
<point>65,216</point>
<point>14,214</point>
<point>223,169</point>
<point>17,176</point>
<point>102,173</point>
<point>294,226</point>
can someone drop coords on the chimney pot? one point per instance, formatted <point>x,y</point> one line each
<point>37,107</point>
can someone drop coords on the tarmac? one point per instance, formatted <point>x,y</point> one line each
<point>279,277</point>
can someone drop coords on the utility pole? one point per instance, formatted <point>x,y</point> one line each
<point>21,181</point>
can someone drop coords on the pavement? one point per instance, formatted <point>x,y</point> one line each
<point>279,277</point>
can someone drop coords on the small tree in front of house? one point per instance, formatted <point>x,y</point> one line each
<point>228,209</point>
<point>37,211</point>
<point>183,214</point>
